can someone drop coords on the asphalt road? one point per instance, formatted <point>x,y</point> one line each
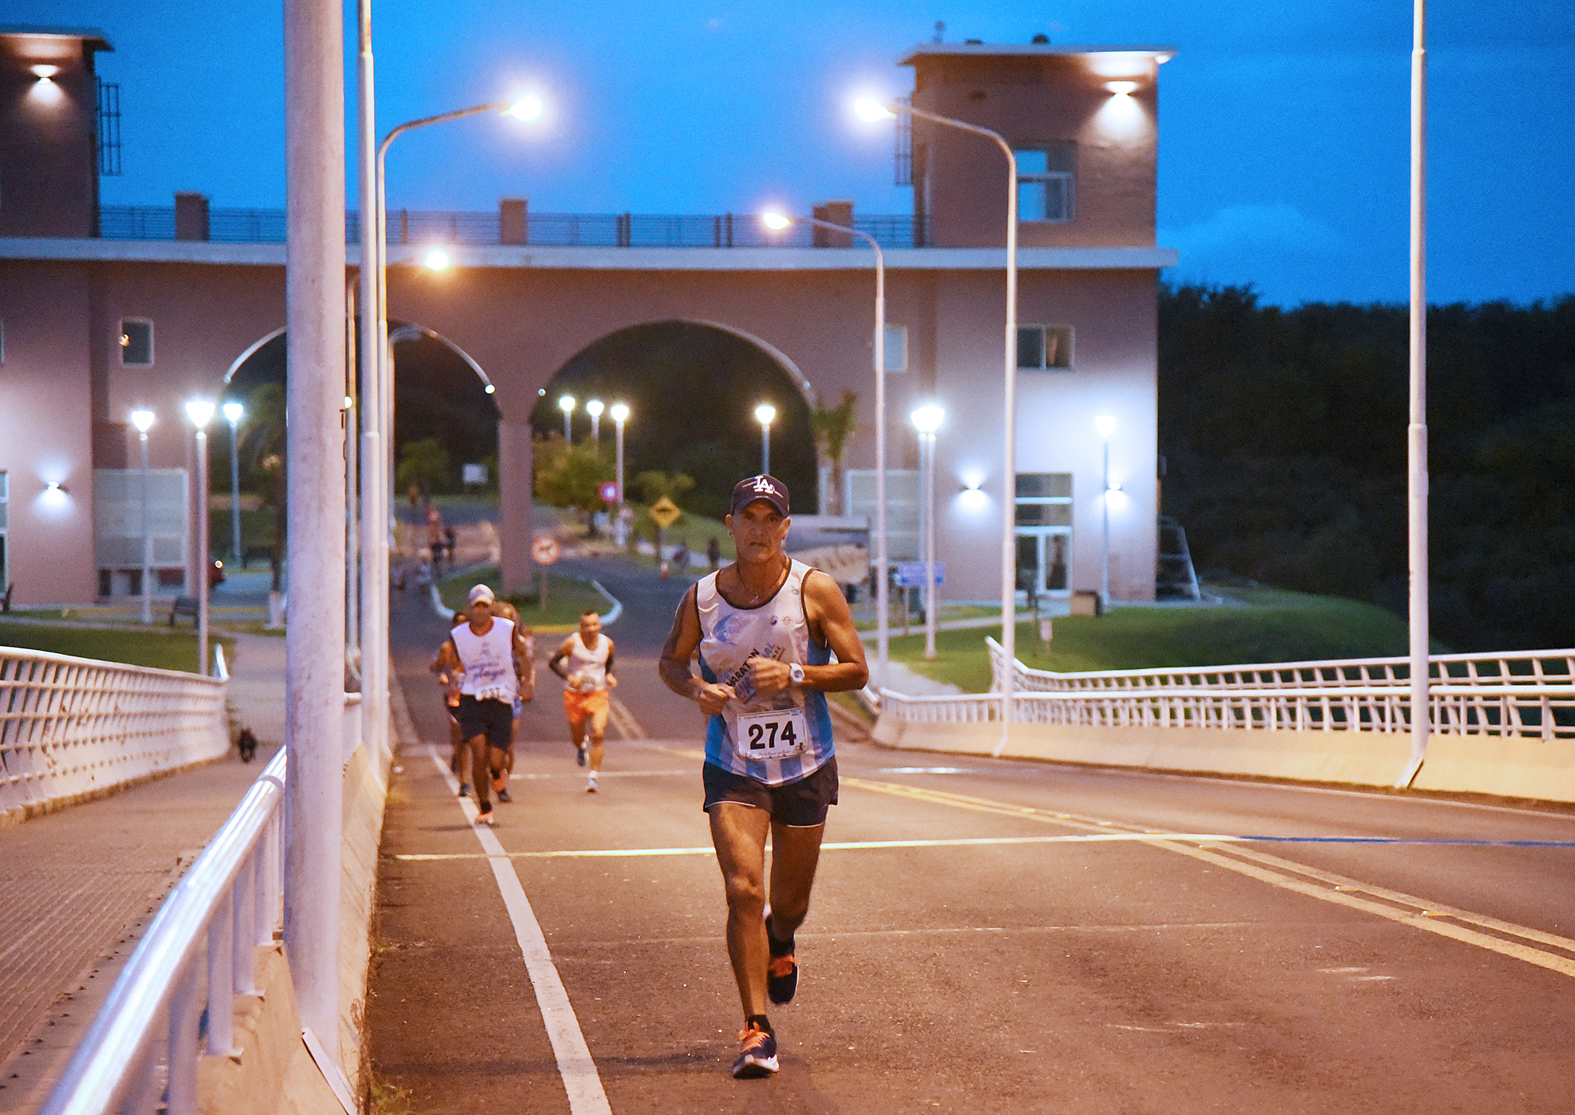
<point>985,936</point>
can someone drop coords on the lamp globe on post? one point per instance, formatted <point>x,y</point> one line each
<point>594,408</point>
<point>200,412</point>
<point>143,421</point>
<point>620,415</point>
<point>1105,424</point>
<point>927,419</point>
<point>232,414</point>
<point>566,404</point>
<point>765,414</point>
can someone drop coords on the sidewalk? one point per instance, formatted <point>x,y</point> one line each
<point>78,887</point>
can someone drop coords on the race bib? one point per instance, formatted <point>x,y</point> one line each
<point>773,734</point>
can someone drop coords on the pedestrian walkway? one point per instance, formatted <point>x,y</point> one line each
<point>79,886</point>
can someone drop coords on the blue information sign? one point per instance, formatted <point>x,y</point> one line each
<point>910,574</point>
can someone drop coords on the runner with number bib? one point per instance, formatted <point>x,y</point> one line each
<point>774,637</point>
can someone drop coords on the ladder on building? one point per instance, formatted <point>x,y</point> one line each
<point>1175,578</point>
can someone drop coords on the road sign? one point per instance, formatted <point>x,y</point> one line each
<point>609,491</point>
<point>910,574</point>
<point>665,512</point>
<point>544,550</point>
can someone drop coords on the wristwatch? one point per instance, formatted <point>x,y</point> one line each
<point>796,673</point>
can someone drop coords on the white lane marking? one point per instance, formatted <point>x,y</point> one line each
<point>575,1065</point>
<point>1396,906</point>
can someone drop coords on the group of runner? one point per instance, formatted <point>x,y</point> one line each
<point>772,637</point>
<point>487,669</point>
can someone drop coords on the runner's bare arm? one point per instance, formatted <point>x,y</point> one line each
<point>612,682</point>
<point>830,624</point>
<point>682,642</point>
<point>555,663</point>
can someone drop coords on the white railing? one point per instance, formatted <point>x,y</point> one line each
<point>70,727</point>
<point>140,1055</point>
<point>1527,694</point>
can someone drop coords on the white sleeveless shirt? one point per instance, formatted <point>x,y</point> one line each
<point>488,660</point>
<point>590,665</point>
<point>777,628</point>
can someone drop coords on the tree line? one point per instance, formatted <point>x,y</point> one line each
<point>1283,436</point>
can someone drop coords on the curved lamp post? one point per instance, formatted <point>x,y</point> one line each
<point>377,410</point>
<point>143,421</point>
<point>200,411</point>
<point>778,222</point>
<point>872,110</point>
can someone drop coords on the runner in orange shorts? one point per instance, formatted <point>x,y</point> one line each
<point>585,662</point>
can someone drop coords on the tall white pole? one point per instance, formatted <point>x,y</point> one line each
<point>765,448</point>
<point>1009,419</point>
<point>1104,550</point>
<point>374,498</point>
<point>618,454</point>
<point>204,561</point>
<point>235,486</point>
<point>1416,431</point>
<point>147,539</point>
<point>927,450</point>
<point>314,641</point>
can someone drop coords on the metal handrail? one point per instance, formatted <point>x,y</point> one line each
<point>1528,694</point>
<point>228,903</point>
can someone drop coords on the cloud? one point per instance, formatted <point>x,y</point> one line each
<point>1249,231</point>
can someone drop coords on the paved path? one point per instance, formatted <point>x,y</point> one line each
<point>78,886</point>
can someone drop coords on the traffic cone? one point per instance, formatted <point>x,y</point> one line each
<point>664,569</point>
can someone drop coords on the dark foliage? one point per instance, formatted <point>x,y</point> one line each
<point>1285,437</point>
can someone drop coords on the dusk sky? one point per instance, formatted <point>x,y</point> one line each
<point>1283,126</point>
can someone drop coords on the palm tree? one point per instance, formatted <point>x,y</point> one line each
<point>832,429</point>
<point>264,443</point>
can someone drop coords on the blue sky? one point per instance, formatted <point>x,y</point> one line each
<point>1284,126</point>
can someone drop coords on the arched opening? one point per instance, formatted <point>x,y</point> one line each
<point>445,432</point>
<point>692,389</point>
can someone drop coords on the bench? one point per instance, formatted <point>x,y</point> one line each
<point>263,552</point>
<point>183,606</point>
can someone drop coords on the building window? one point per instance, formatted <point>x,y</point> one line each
<point>896,348</point>
<point>1043,516</point>
<point>136,343</point>
<point>1045,176</point>
<point>1044,346</point>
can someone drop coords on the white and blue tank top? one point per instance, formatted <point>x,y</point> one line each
<point>777,628</point>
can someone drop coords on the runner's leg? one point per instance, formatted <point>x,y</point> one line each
<point>738,832</point>
<point>795,854</point>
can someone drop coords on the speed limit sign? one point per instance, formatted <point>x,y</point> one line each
<point>544,550</point>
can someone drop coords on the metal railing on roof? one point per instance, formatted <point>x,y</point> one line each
<point>591,230</point>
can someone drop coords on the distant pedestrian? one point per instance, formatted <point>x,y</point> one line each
<point>774,636</point>
<point>449,538</point>
<point>585,663</point>
<point>713,553</point>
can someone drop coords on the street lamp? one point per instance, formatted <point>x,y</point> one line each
<point>200,411</point>
<point>927,419</point>
<point>872,110</point>
<point>143,421</point>
<point>620,413</point>
<point>377,411</point>
<point>566,404</point>
<point>1106,425</point>
<point>765,414</point>
<point>594,409</point>
<point>778,222</point>
<point>232,414</point>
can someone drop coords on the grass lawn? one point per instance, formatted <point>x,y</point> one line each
<point>1266,625</point>
<point>156,646</point>
<point>567,597</point>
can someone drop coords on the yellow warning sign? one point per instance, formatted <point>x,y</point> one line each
<point>665,512</point>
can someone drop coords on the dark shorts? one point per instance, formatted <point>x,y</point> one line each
<point>801,804</point>
<point>493,719</point>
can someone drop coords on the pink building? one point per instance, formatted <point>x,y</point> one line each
<point>104,312</point>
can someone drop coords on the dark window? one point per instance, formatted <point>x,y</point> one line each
<point>136,343</point>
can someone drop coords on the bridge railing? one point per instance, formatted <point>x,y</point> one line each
<point>72,727</point>
<point>1521,694</point>
<point>597,230</point>
<point>140,1055</point>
